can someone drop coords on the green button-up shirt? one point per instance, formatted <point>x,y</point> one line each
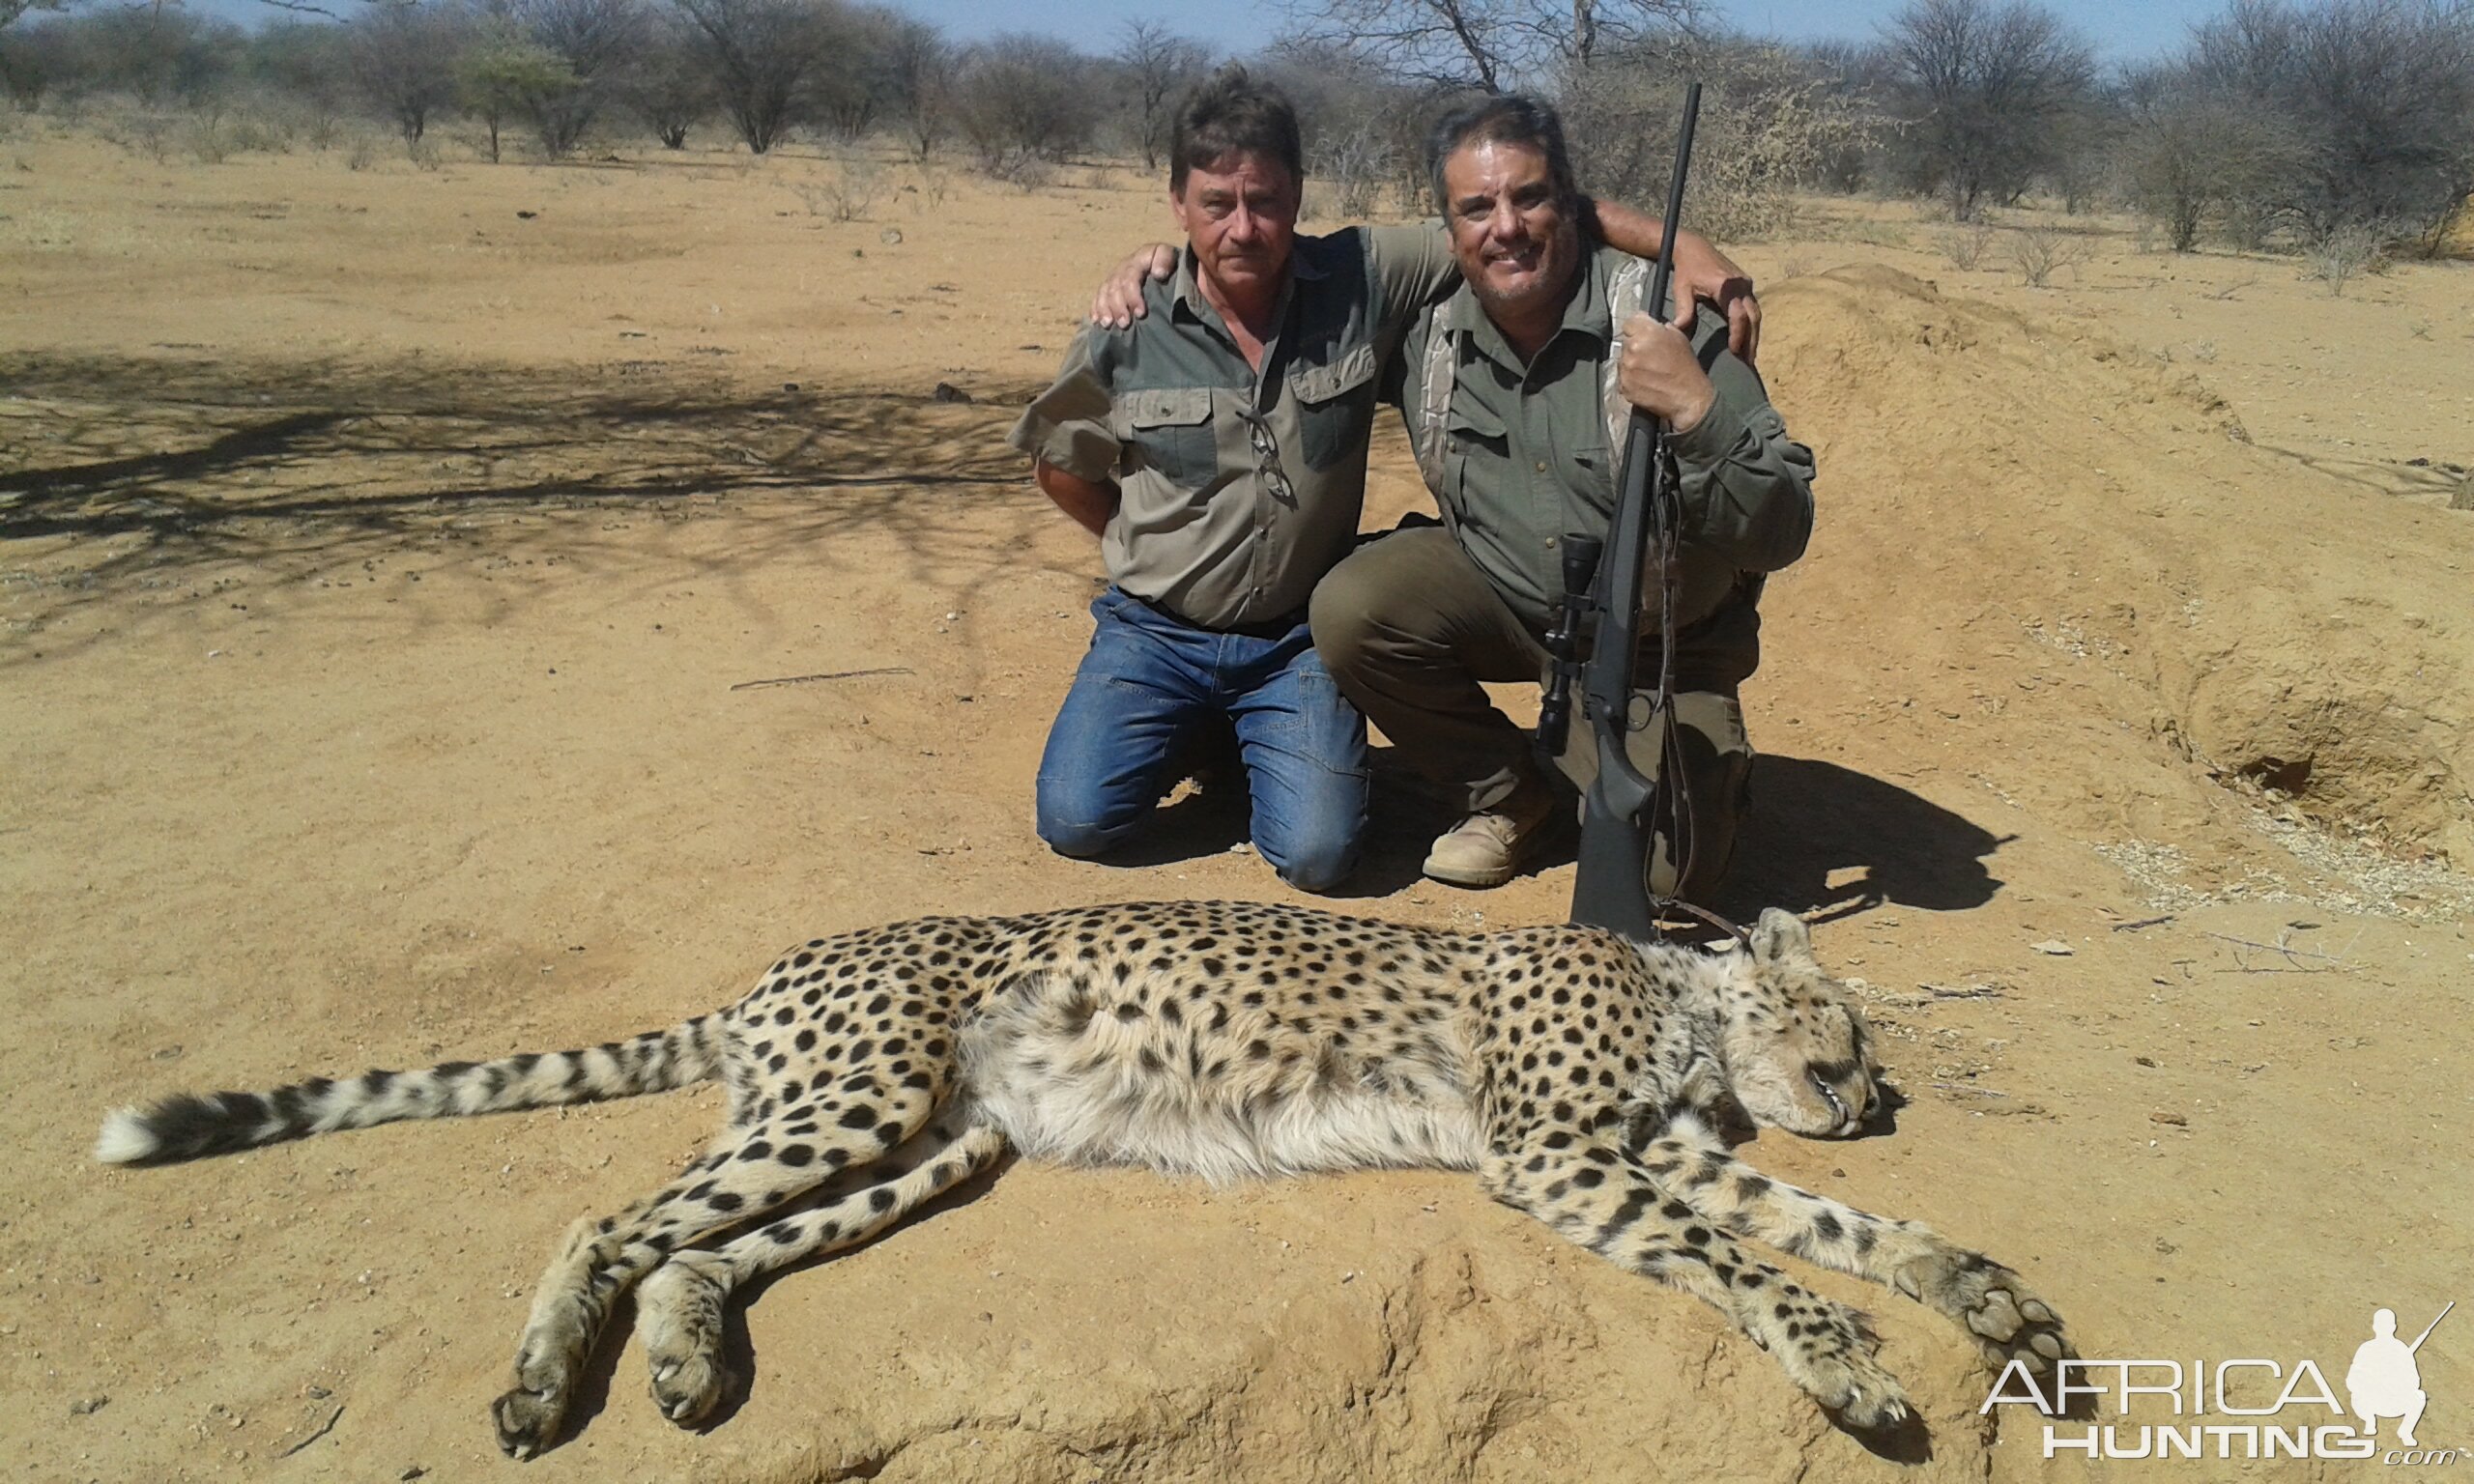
<point>1237,488</point>
<point>1528,459</point>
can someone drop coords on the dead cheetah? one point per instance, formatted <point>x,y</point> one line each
<point>1580,1075</point>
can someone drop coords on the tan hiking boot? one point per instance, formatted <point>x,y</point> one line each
<point>1486,848</point>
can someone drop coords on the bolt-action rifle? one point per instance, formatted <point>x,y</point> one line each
<point>1616,833</point>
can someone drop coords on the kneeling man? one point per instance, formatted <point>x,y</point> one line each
<point>1517,391</point>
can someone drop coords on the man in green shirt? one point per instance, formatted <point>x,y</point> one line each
<point>1214,439</point>
<point>1516,392</point>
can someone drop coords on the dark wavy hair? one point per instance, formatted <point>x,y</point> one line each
<point>1232,112</point>
<point>1501,118</point>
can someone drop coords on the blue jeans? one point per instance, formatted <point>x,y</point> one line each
<point>1150,679</point>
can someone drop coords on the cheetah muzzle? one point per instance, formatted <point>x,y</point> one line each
<point>1578,1074</point>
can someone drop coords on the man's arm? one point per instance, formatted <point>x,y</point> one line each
<point>1700,271</point>
<point>1089,503</point>
<point>1748,486</point>
<point>1067,432</point>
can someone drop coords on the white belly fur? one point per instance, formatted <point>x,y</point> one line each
<point>1085,1087</point>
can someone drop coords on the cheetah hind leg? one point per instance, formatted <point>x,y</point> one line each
<point>600,1260</point>
<point>680,1306</point>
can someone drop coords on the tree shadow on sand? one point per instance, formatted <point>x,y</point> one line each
<point>156,473</point>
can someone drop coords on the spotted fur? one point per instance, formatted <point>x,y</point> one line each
<point>1579,1076</point>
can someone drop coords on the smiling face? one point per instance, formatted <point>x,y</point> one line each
<point>1240,215</point>
<point>1512,230</point>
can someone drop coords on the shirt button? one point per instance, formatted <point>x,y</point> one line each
<point>1550,543</point>
<point>1541,466</point>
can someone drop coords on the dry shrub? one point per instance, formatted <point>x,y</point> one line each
<point>849,192</point>
<point>1964,246</point>
<point>1769,122</point>
<point>1357,161</point>
<point>2344,253</point>
<point>2038,251</point>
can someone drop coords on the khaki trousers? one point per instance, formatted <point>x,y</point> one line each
<point>1410,628</point>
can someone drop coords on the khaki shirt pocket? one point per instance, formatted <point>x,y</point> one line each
<point>1170,429</point>
<point>1473,442</point>
<point>1335,406</point>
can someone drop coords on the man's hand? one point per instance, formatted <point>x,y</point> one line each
<point>1661,376</point>
<point>1701,271</point>
<point>1119,302</point>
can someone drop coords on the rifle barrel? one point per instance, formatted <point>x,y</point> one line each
<point>1610,888</point>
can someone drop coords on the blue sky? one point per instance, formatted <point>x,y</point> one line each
<point>2122,30</point>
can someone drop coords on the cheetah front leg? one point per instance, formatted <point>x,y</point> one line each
<point>1599,1197</point>
<point>679,1308</point>
<point>1989,1302</point>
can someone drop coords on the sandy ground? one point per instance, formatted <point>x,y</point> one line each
<point>385,556</point>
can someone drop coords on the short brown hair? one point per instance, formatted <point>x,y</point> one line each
<point>1231,112</point>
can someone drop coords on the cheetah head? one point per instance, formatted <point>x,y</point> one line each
<point>1798,1055</point>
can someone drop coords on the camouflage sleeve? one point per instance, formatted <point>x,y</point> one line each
<point>1747,487</point>
<point>1413,267</point>
<point>1069,425</point>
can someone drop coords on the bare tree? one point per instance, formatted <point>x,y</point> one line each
<point>307,64</point>
<point>919,73</point>
<point>1161,66</point>
<point>1024,100</point>
<point>1357,163</point>
<point>403,56</point>
<point>595,41</point>
<point>2378,94</point>
<point>32,60</point>
<point>669,85</point>
<point>765,56</point>
<point>503,73</point>
<point>1862,76</point>
<point>1491,44</point>
<point>1769,122</point>
<point>2194,151</point>
<point>859,90</point>
<point>1987,86</point>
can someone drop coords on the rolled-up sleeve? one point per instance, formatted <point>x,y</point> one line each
<point>1413,267</point>
<point>1747,487</point>
<point>1069,425</point>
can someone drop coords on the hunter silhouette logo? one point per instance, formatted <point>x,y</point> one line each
<point>2224,1408</point>
<point>2383,1382</point>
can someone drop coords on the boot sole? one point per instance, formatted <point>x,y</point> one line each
<point>1476,880</point>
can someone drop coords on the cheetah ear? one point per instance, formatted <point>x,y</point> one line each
<point>1781,935</point>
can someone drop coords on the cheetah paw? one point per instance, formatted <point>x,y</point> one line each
<point>1854,1387</point>
<point>687,1388</point>
<point>1998,1309</point>
<point>528,1421</point>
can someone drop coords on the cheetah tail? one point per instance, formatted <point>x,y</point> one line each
<point>189,1127</point>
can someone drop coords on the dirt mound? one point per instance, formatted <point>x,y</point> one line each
<point>2005,490</point>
